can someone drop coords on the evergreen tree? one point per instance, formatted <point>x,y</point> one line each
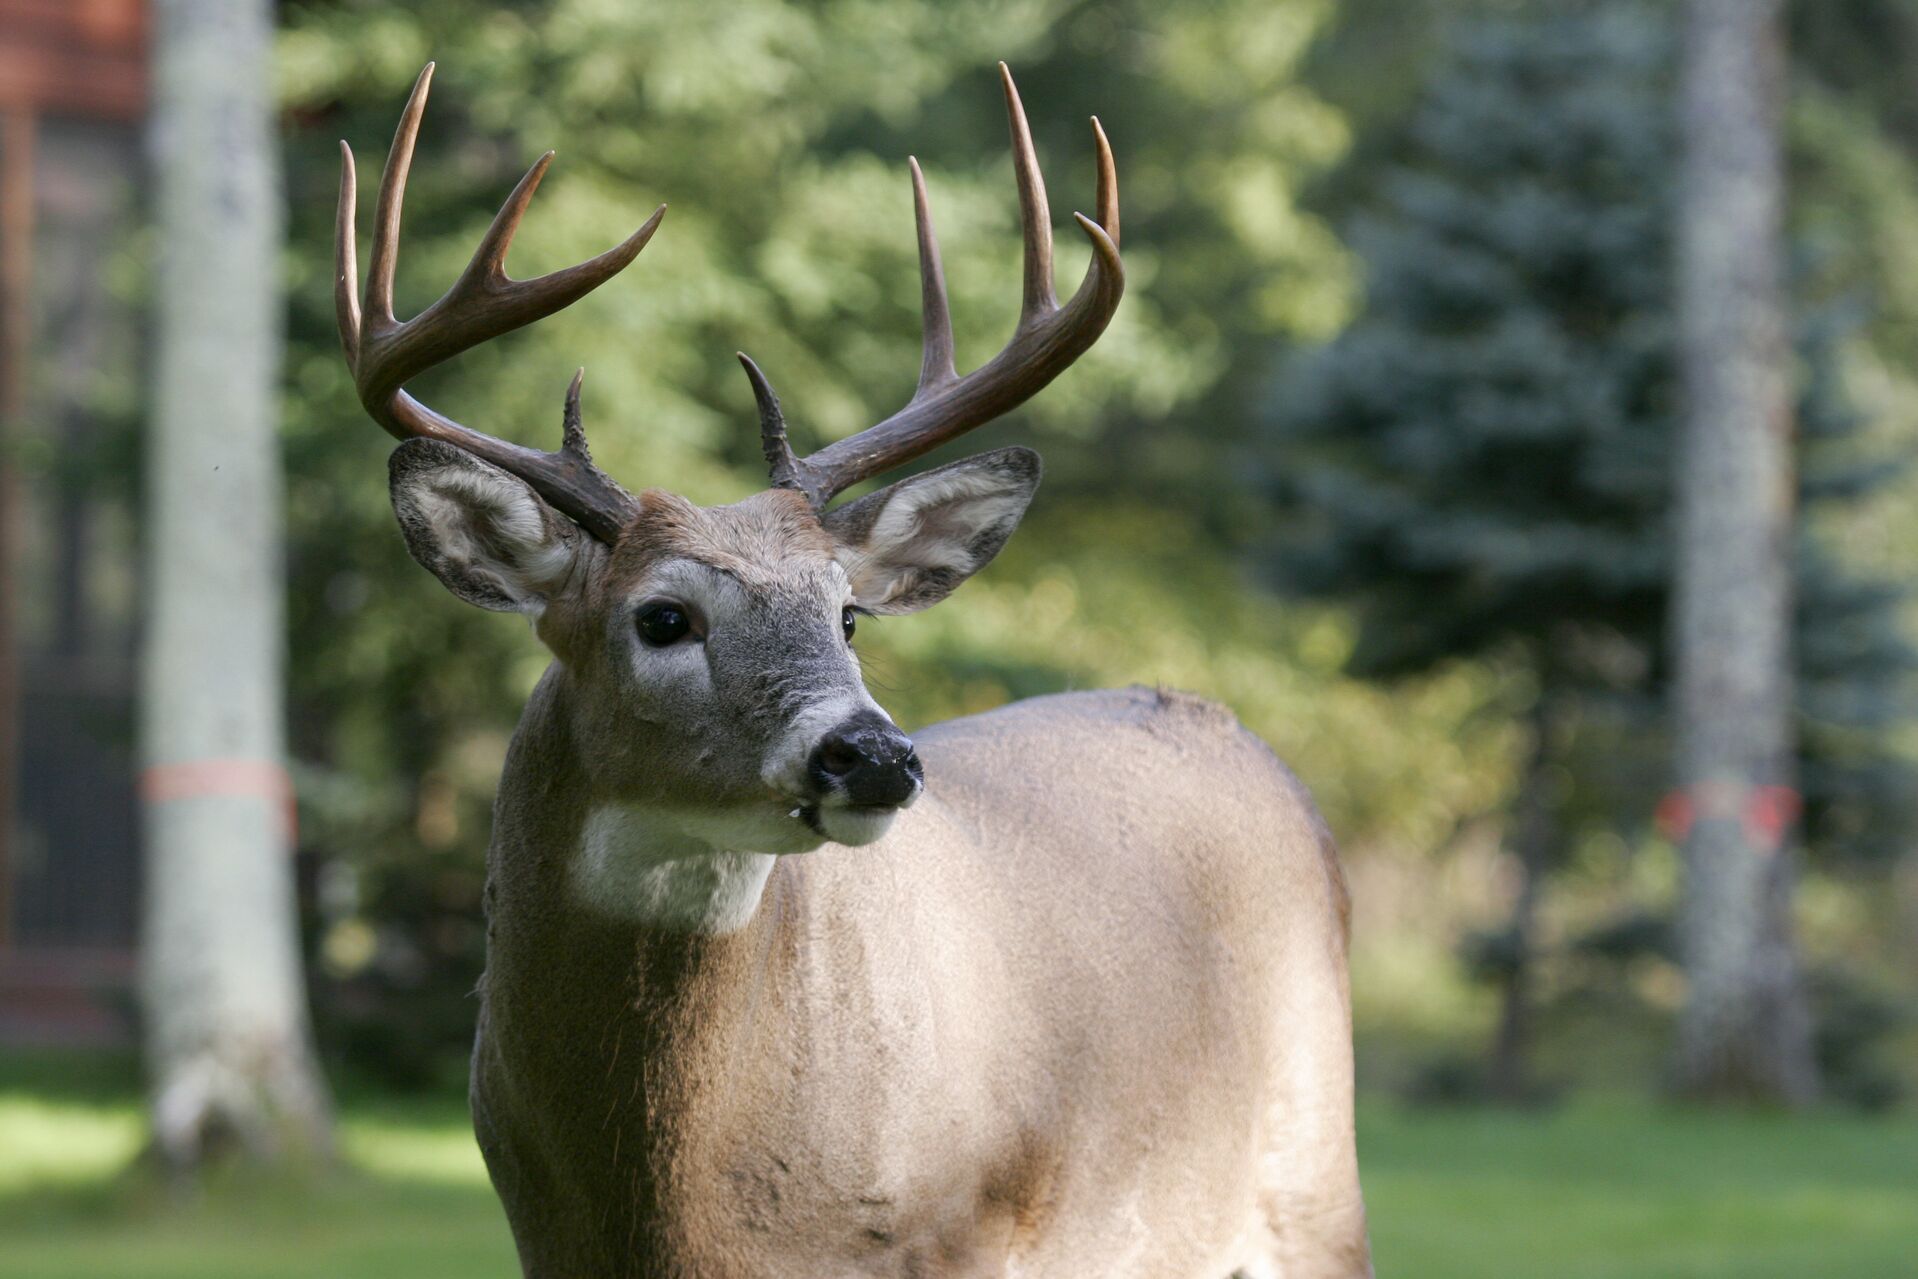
<point>1481,464</point>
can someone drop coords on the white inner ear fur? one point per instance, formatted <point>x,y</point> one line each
<point>493,526</point>
<point>930,524</point>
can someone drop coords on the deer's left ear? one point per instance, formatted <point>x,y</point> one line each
<point>908,545</point>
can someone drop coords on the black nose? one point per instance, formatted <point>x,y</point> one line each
<point>869,760</point>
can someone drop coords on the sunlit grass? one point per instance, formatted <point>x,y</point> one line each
<point>52,1143</point>
<point>411,1200</point>
<point>441,1154</point>
<point>45,1143</point>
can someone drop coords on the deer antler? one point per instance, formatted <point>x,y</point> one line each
<point>482,304</point>
<point>1049,337</point>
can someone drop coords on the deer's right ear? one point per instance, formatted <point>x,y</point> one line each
<point>486,534</point>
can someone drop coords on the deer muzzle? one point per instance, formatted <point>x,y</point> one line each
<point>865,762</point>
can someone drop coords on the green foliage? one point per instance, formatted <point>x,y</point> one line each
<point>779,133</point>
<point>1857,1024</point>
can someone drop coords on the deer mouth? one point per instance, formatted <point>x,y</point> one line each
<point>852,825</point>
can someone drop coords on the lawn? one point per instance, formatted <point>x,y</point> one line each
<point>413,1203</point>
<point>1611,1191</point>
<point>1583,1192</point>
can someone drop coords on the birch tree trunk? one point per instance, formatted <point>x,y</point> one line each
<point>1743,1032</point>
<point>228,1042</point>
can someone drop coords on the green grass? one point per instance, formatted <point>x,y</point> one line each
<point>1597,1191</point>
<point>412,1202</point>
<point>1592,1191</point>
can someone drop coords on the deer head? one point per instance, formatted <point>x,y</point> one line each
<point>709,649</point>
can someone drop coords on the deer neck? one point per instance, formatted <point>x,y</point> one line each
<point>645,1059</point>
<point>596,907</point>
<point>642,866</point>
<point>652,868</point>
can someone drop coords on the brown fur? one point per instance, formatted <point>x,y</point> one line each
<point>749,540</point>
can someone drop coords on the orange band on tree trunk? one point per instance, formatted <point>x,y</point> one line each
<point>203,778</point>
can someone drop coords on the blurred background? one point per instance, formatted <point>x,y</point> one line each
<point>1386,449</point>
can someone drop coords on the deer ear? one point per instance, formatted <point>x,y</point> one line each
<point>486,534</point>
<point>908,545</point>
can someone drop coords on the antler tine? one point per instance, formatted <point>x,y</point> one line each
<point>386,212</point>
<point>1108,190</point>
<point>1035,217</point>
<point>936,366</point>
<point>1048,338</point>
<point>529,300</point>
<point>346,259</point>
<point>483,303</point>
<point>489,258</point>
<point>572,432</point>
<point>785,470</point>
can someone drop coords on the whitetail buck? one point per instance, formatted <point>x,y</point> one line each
<point>1070,1000</point>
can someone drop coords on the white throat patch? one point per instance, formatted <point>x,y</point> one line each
<point>635,864</point>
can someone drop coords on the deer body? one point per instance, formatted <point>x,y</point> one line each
<point>1097,1027</point>
<point>772,989</point>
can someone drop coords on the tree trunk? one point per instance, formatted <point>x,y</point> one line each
<point>227,1030</point>
<point>1743,1033</point>
<point>1534,842</point>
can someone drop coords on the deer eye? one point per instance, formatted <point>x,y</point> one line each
<point>663,624</point>
<point>847,622</point>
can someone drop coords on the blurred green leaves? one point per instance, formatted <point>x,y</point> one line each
<point>779,135</point>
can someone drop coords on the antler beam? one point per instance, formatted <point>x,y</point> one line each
<point>483,303</point>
